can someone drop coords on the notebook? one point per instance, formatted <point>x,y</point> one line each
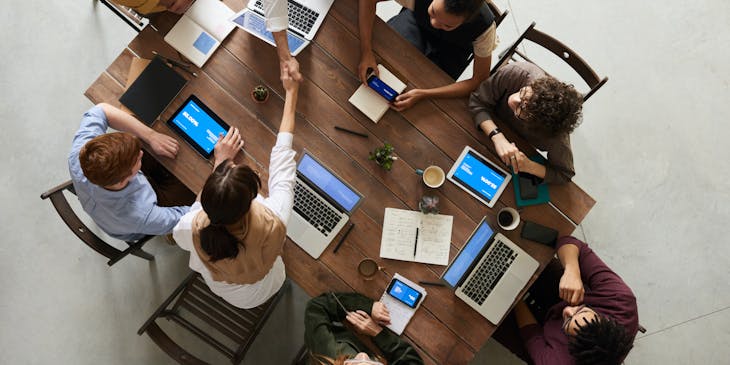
<point>201,30</point>
<point>152,91</point>
<point>402,297</point>
<point>489,272</point>
<point>369,102</point>
<point>410,235</point>
<point>323,203</point>
<point>305,18</point>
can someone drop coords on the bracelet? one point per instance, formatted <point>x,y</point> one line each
<point>493,133</point>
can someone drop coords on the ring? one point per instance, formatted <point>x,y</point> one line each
<point>511,157</point>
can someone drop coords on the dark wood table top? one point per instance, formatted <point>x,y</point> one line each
<point>444,330</point>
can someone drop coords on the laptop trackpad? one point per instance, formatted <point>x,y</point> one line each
<point>503,295</point>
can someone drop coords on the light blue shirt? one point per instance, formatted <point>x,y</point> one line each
<point>128,214</point>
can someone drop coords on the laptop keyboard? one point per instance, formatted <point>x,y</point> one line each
<point>491,269</point>
<point>314,211</point>
<point>300,16</point>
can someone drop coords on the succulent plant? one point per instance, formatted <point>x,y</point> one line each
<point>260,93</point>
<point>383,156</point>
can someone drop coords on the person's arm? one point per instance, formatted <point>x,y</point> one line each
<point>559,168</point>
<point>319,316</point>
<point>162,145</point>
<point>571,286</point>
<point>161,220</point>
<point>277,22</point>
<point>227,146</point>
<point>365,20</point>
<point>182,233</point>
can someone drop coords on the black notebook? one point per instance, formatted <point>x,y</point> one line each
<point>152,91</point>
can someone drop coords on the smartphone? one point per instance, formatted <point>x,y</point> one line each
<point>528,186</point>
<point>404,293</point>
<point>382,88</point>
<point>539,233</point>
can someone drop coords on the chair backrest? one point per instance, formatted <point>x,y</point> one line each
<point>498,14</point>
<point>74,223</point>
<point>559,49</point>
<point>134,19</point>
<point>192,302</point>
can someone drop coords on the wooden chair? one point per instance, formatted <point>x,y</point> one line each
<point>194,299</point>
<point>559,49</point>
<point>498,14</point>
<point>134,19</point>
<point>58,199</point>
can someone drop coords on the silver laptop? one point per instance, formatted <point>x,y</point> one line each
<point>489,272</point>
<point>305,18</point>
<point>323,204</point>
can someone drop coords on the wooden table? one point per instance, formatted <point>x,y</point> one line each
<point>444,330</point>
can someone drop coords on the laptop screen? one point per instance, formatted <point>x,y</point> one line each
<point>328,183</point>
<point>476,243</point>
<point>478,176</point>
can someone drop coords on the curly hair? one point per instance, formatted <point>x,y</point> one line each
<point>109,158</point>
<point>554,105</point>
<point>601,341</point>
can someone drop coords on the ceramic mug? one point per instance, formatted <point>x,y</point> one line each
<point>433,176</point>
<point>508,218</point>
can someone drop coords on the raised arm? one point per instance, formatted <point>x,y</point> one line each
<point>161,144</point>
<point>277,22</point>
<point>365,19</point>
<point>290,105</point>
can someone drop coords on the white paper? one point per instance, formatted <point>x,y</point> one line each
<point>401,314</point>
<point>399,237</point>
<point>369,101</point>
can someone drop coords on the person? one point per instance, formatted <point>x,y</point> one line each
<point>448,32</point>
<point>539,108</point>
<point>105,171</point>
<point>594,319</point>
<point>236,236</point>
<point>329,342</point>
<point>277,22</point>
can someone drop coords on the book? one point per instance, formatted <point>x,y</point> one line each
<point>201,30</point>
<point>410,235</point>
<point>152,91</point>
<point>369,102</point>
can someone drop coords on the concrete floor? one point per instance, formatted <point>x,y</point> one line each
<point>649,151</point>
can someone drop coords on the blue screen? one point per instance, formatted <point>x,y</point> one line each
<point>327,182</point>
<point>468,254</point>
<point>203,129</point>
<point>478,176</point>
<point>399,290</point>
<point>255,23</point>
<point>384,90</point>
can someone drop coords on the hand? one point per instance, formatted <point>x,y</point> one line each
<point>163,145</point>
<point>290,84</point>
<point>289,70</point>
<point>363,323</point>
<point>407,99</point>
<point>380,313</point>
<point>571,287</point>
<point>506,150</point>
<point>180,6</point>
<point>228,146</point>
<point>367,60</point>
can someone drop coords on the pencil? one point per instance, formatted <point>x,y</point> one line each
<point>351,132</point>
<point>431,283</point>
<point>337,247</point>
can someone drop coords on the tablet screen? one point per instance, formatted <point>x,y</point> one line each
<point>479,176</point>
<point>198,125</point>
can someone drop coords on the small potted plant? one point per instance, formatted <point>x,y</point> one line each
<point>429,204</point>
<point>383,156</point>
<point>260,94</point>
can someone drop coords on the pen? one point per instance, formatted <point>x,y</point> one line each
<point>183,66</point>
<point>415,244</point>
<point>431,283</point>
<point>337,247</point>
<point>351,132</point>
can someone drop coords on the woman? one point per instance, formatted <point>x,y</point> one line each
<point>329,342</point>
<point>235,236</point>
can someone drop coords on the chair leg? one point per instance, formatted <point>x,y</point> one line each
<point>135,248</point>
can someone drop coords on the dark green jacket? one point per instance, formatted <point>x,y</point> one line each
<point>325,335</point>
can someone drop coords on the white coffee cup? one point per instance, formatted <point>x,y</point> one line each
<point>433,176</point>
<point>508,218</point>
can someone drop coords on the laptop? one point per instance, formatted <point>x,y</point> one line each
<point>489,272</point>
<point>305,18</point>
<point>323,203</point>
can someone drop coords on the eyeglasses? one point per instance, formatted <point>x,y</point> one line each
<point>580,309</point>
<point>523,104</point>
<point>358,362</point>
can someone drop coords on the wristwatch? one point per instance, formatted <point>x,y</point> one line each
<point>493,133</point>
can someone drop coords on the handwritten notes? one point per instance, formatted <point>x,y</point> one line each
<point>413,236</point>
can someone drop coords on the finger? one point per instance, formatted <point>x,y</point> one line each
<point>515,165</point>
<point>576,297</point>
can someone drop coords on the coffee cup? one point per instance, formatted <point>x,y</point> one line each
<point>433,176</point>
<point>508,218</point>
<point>368,268</point>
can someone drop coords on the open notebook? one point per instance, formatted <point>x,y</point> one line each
<point>369,101</point>
<point>410,235</point>
<point>201,30</point>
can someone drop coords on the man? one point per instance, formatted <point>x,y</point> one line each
<point>541,109</point>
<point>594,323</point>
<point>105,170</point>
<point>277,22</point>
<point>448,32</point>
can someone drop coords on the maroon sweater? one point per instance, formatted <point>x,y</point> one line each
<point>605,292</point>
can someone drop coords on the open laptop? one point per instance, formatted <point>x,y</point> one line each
<point>323,204</point>
<point>489,272</point>
<point>305,18</point>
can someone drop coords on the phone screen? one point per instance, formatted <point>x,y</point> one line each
<point>404,293</point>
<point>382,88</point>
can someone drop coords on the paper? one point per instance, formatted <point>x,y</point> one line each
<point>408,231</point>
<point>369,101</point>
<point>401,314</point>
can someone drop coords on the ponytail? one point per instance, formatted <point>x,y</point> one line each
<point>218,243</point>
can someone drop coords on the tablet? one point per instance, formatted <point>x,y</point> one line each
<point>198,125</point>
<point>480,177</point>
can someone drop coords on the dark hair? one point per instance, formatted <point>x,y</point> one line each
<point>601,341</point>
<point>466,8</point>
<point>109,158</point>
<point>340,360</point>
<point>554,105</point>
<point>226,197</point>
